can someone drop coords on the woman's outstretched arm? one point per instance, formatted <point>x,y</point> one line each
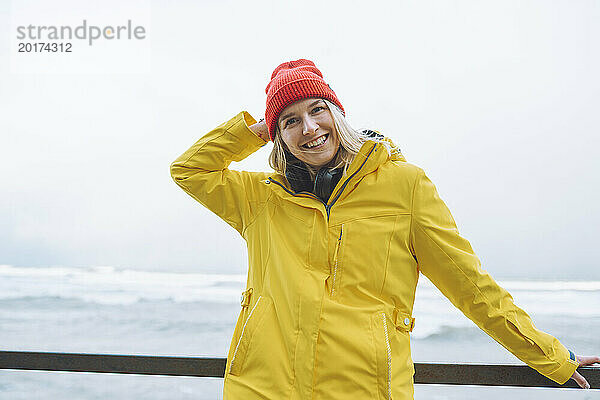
<point>448,260</point>
<point>202,171</point>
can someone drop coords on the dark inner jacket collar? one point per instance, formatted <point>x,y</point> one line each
<point>299,178</point>
<point>325,180</point>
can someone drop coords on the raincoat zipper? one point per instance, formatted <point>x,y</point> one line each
<point>242,333</point>
<point>339,193</point>
<point>389,357</point>
<point>335,259</point>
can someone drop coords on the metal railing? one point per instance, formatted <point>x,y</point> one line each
<point>425,373</point>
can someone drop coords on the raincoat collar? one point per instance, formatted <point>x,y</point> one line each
<point>371,155</point>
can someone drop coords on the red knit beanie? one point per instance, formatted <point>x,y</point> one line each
<point>293,81</point>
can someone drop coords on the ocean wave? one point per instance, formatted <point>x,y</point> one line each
<point>105,272</point>
<point>35,300</point>
<point>448,332</point>
<point>113,286</point>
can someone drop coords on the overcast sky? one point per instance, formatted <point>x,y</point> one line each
<point>498,101</point>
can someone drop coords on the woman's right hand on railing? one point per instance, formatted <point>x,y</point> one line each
<point>261,130</point>
<point>583,361</point>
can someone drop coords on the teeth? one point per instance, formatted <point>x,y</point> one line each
<point>317,142</point>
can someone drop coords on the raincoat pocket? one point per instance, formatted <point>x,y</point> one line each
<point>334,274</point>
<point>249,328</point>
<point>382,331</point>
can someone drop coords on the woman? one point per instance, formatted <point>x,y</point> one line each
<point>336,239</point>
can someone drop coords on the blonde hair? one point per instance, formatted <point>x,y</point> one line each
<point>351,140</point>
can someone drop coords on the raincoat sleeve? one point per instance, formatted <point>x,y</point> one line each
<point>448,260</point>
<point>201,171</point>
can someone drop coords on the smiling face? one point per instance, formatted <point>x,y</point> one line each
<point>308,130</point>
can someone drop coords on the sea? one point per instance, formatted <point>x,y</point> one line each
<point>108,310</point>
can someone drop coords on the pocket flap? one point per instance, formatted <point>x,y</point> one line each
<point>403,320</point>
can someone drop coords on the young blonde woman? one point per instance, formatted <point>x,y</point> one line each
<point>337,236</point>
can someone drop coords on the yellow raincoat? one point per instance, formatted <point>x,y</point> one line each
<point>327,313</point>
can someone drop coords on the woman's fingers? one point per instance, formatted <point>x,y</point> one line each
<point>261,130</point>
<point>584,360</point>
<point>588,360</point>
<point>580,380</point>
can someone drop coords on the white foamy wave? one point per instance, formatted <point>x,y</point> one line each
<point>435,314</point>
<point>549,286</point>
<point>112,286</point>
<point>543,286</point>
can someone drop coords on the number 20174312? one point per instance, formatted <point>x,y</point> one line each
<point>40,47</point>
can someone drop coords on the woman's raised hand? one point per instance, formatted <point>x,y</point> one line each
<point>261,130</point>
<point>583,361</point>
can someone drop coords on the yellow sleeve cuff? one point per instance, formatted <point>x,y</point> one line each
<point>563,373</point>
<point>240,128</point>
